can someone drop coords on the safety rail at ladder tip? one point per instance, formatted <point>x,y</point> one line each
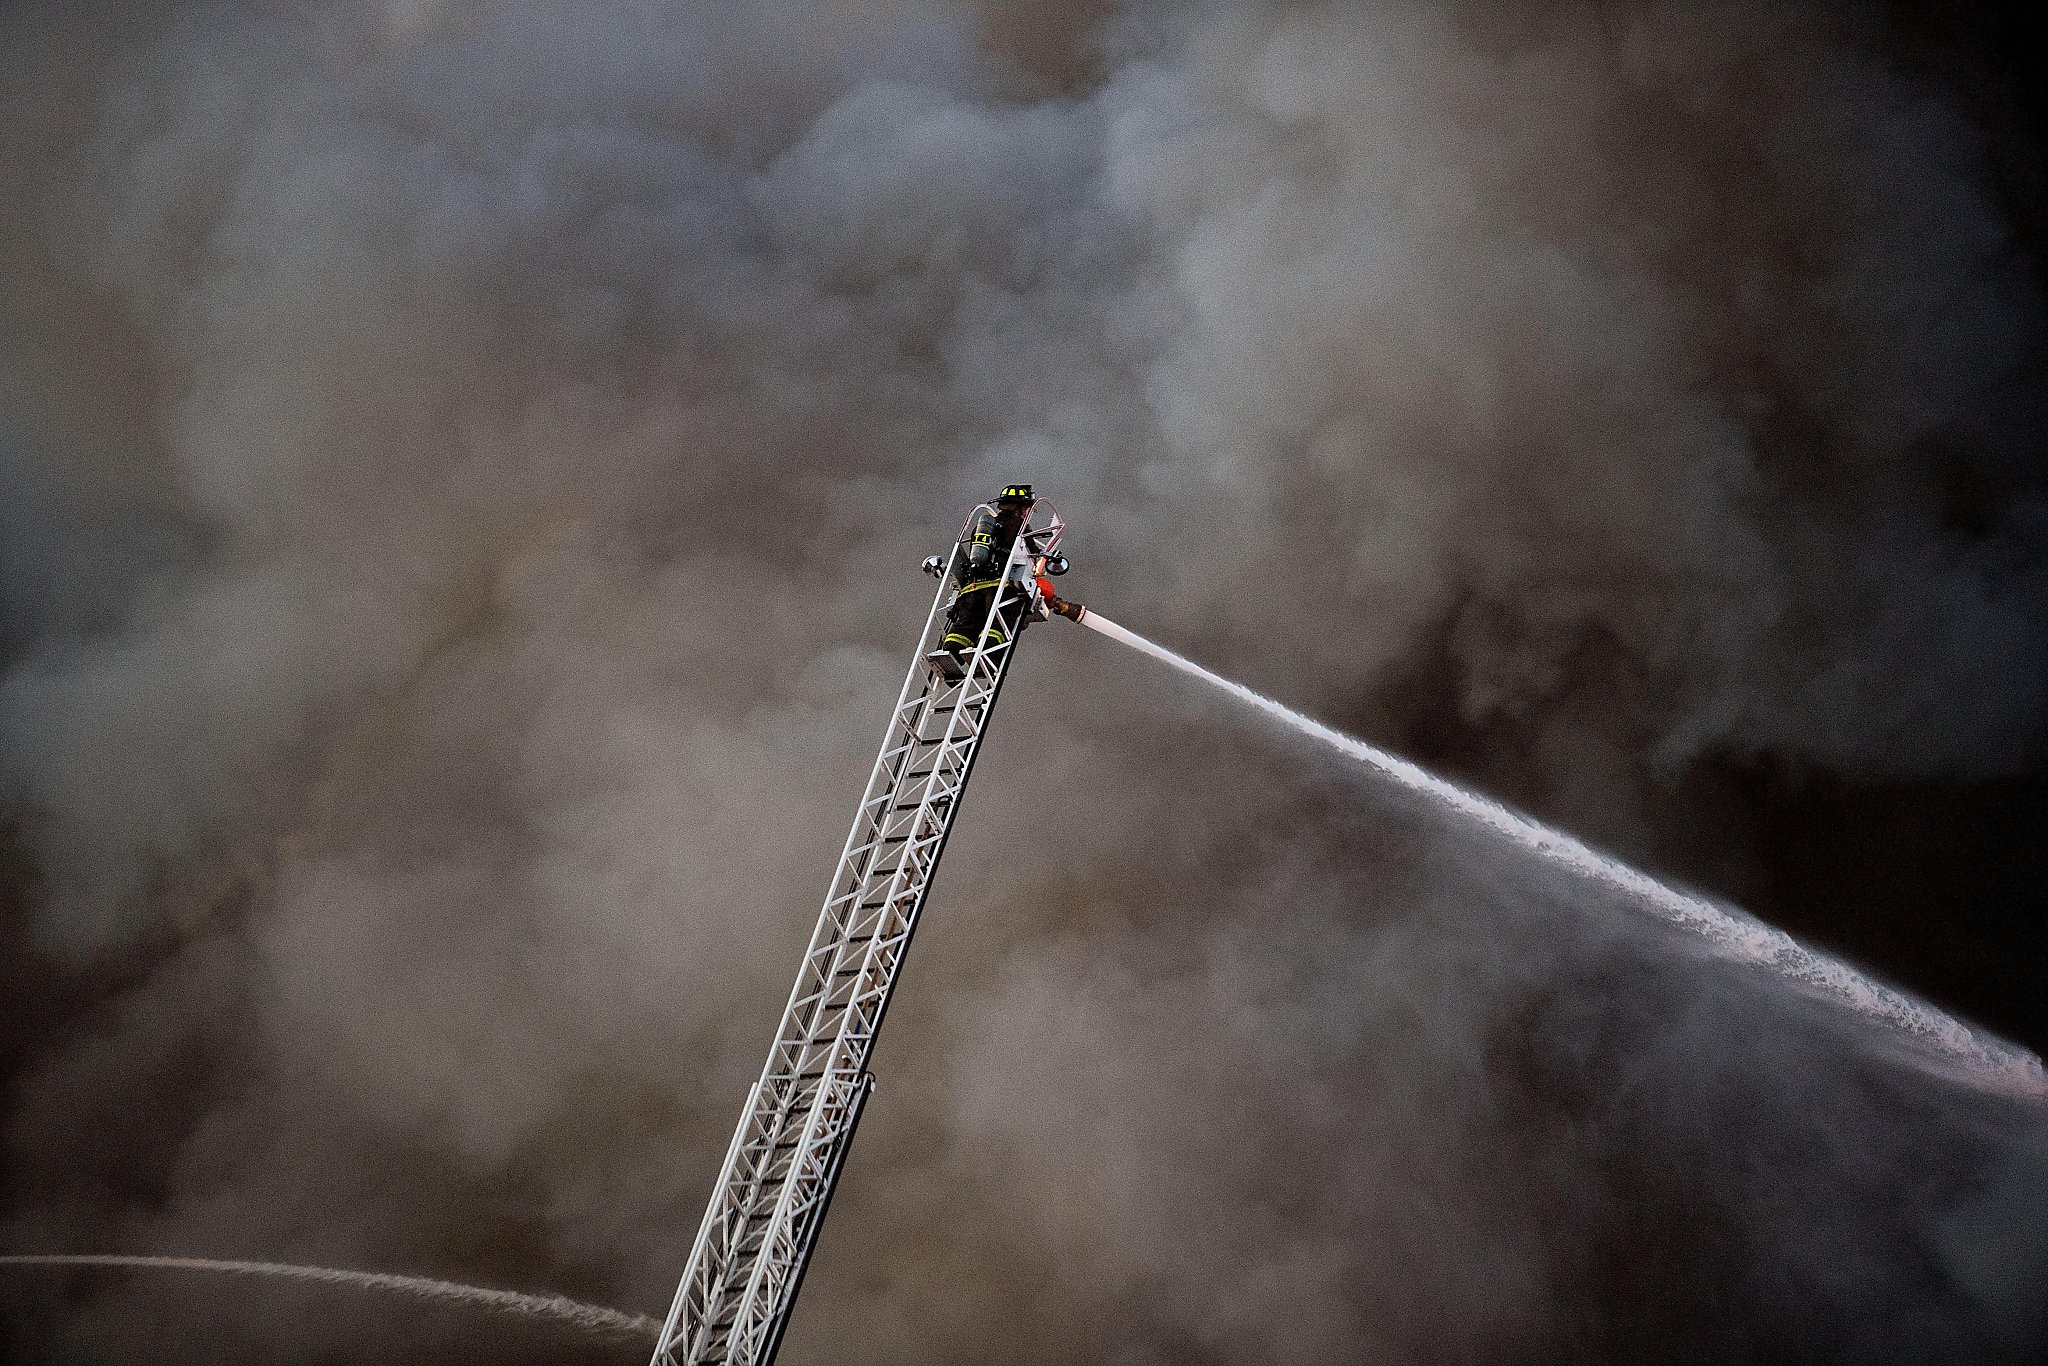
<point>748,1260</point>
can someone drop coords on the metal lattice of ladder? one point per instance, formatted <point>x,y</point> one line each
<point>763,1219</point>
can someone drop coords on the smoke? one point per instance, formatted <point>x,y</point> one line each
<point>460,460</point>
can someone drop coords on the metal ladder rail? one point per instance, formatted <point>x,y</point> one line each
<point>828,1088</point>
<point>711,1255</point>
<point>784,1249</point>
<point>804,1082</point>
<point>831,1102</point>
<point>721,1240</point>
<point>811,1159</point>
<point>862,923</point>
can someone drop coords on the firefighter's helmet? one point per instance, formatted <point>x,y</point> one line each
<point>1016,493</point>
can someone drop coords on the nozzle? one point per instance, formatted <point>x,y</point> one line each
<point>1072,611</point>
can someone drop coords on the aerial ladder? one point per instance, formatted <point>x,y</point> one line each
<point>762,1223</point>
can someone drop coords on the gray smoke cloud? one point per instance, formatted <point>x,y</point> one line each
<point>465,465</point>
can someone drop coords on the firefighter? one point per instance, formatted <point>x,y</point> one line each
<point>984,551</point>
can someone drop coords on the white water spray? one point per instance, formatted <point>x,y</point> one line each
<point>594,1318</point>
<point>1987,1062</point>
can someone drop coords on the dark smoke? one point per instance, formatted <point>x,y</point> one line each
<point>462,469</point>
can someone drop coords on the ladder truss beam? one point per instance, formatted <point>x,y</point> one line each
<point>779,1173</point>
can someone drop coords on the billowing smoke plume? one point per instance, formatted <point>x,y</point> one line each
<point>465,463</point>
